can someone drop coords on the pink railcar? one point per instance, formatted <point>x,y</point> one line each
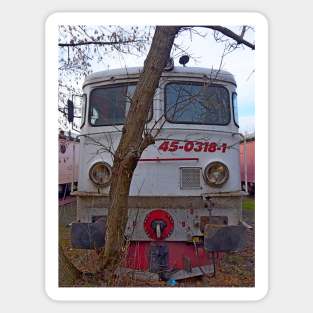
<point>68,156</point>
<point>250,155</point>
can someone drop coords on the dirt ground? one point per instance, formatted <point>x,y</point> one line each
<point>235,270</point>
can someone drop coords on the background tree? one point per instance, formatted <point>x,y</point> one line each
<point>82,48</point>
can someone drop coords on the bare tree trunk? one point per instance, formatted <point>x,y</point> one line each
<point>132,143</point>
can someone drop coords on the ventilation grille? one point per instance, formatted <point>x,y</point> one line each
<point>190,178</point>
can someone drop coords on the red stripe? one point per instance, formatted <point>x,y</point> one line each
<point>170,159</point>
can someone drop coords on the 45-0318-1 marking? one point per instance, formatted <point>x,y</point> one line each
<point>191,146</point>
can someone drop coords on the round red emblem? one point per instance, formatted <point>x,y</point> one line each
<point>158,224</point>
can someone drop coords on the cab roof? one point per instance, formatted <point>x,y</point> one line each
<point>177,71</point>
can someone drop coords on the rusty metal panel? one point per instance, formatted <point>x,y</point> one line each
<point>186,221</point>
<point>88,235</point>
<point>195,271</point>
<point>219,200</point>
<point>158,258</point>
<point>215,220</point>
<point>218,238</point>
<point>187,264</point>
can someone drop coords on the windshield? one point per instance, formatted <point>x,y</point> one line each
<point>109,105</point>
<point>197,103</point>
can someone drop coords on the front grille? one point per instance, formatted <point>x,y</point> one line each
<point>190,178</point>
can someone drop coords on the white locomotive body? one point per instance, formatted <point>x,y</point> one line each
<point>188,180</point>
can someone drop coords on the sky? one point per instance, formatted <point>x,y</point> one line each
<point>206,52</point>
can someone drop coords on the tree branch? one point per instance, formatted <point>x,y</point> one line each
<point>227,32</point>
<point>101,43</point>
<point>146,142</point>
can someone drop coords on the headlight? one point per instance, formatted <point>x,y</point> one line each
<point>216,174</point>
<point>100,174</point>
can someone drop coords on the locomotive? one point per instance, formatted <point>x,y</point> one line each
<point>185,199</point>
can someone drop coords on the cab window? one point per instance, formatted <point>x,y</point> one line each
<point>110,105</point>
<point>196,103</point>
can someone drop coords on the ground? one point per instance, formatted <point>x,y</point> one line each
<point>235,270</point>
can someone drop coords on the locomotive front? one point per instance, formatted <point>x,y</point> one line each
<point>185,197</point>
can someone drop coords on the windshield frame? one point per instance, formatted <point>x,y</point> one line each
<point>236,116</point>
<point>113,86</point>
<point>197,83</point>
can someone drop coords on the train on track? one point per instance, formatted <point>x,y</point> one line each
<point>68,163</point>
<point>248,147</point>
<point>185,199</point>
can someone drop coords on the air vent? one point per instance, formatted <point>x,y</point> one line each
<point>190,178</point>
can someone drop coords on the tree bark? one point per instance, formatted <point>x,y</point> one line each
<point>132,144</point>
<point>68,273</point>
